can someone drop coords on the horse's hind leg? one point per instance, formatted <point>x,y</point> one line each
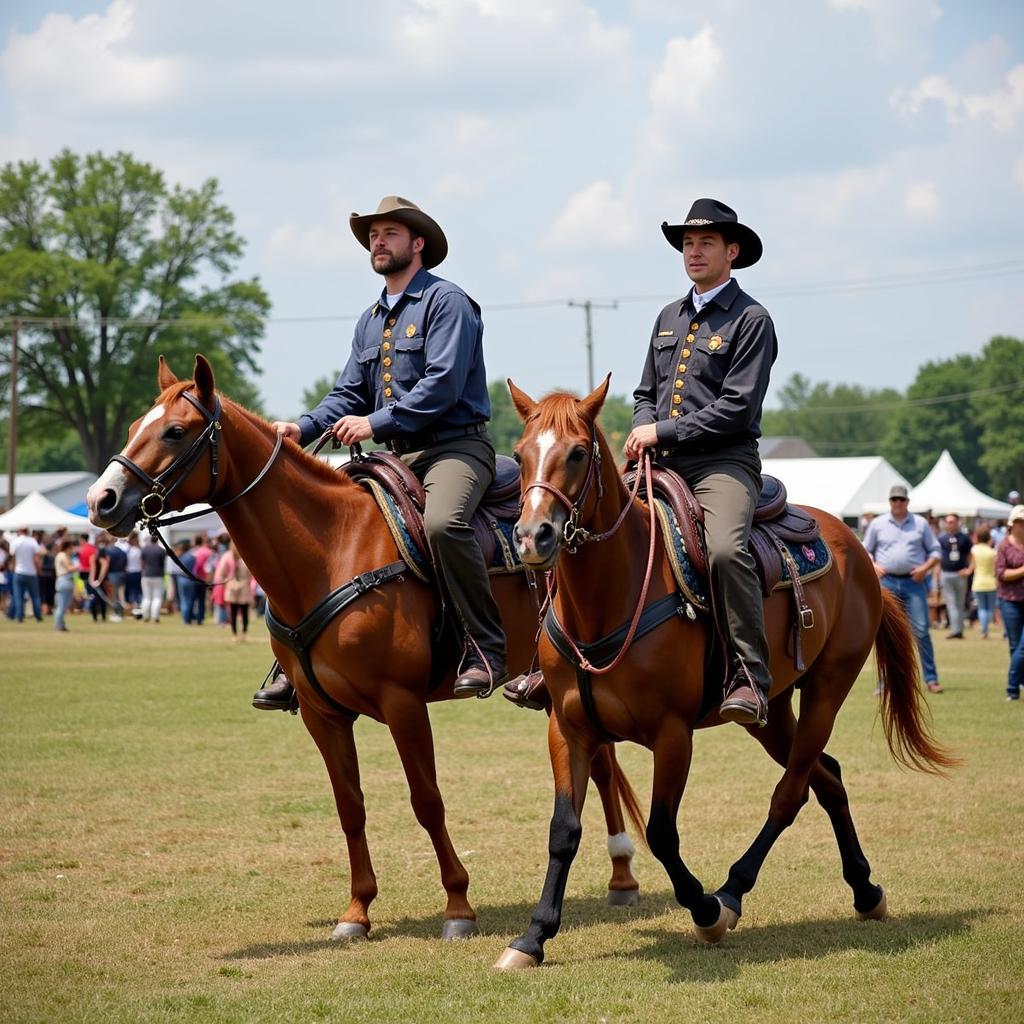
<point>336,743</point>
<point>407,718</point>
<point>623,888</point>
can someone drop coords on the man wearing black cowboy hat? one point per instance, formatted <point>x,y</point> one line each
<point>415,379</point>
<point>698,406</point>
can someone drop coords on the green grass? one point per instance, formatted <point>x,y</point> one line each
<point>169,854</point>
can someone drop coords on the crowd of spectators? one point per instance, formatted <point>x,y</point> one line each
<point>110,580</point>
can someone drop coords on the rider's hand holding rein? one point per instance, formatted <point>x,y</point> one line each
<point>640,437</point>
<point>292,431</point>
<point>353,429</point>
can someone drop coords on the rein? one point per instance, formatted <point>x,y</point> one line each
<point>153,504</point>
<point>583,663</point>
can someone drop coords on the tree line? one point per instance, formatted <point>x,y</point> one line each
<point>106,265</point>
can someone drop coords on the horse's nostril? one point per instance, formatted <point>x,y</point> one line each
<point>544,537</point>
<point>107,501</point>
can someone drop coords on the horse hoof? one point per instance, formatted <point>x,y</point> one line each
<point>349,931</point>
<point>515,960</point>
<point>459,928</point>
<point>880,913</point>
<point>732,919</point>
<point>714,933</point>
<point>623,897</point>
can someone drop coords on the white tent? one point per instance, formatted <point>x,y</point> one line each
<point>846,487</point>
<point>946,490</point>
<point>37,512</point>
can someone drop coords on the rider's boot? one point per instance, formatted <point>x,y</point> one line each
<point>482,673</point>
<point>278,696</point>
<point>528,691</point>
<point>746,701</point>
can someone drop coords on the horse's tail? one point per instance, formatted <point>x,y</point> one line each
<point>629,799</point>
<point>905,715</point>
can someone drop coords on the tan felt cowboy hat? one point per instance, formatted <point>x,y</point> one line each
<point>716,216</point>
<point>435,246</point>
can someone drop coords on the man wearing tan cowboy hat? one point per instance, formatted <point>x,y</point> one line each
<point>698,406</point>
<point>415,380</point>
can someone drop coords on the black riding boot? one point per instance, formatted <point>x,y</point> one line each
<point>279,695</point>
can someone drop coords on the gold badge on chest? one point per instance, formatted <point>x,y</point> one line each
<point>410,330</point>
<point>715,343</point>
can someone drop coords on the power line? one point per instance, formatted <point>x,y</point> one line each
<point>942,275</point>
<point>903,402</point>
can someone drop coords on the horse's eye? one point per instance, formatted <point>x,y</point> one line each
<point>515,455</point>
<point>175,433</point>
<point>578,454</point>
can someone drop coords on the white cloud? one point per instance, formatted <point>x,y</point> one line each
<point>557,284</point>
<point>315,246</point>
<point>689,68</point>
<point>593,216</point>
<point>1001,107</point>
<point>84,64</point>
<point>922,200</point>
<point>1018,172</point>
<point>895,24</point>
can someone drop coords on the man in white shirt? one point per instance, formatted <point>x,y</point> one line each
<point>26,555</point>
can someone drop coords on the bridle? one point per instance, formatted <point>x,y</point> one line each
<point>574,535</point>
<point>152,505</point>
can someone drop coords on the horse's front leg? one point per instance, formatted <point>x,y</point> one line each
<point>623,888</point>
<point>407,718</point>
<point>570,763</point>
<point>673,748</point>
<point>333,736</point>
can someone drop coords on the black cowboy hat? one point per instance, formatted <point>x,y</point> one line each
<point>435,246</point>
<point>710,213</point>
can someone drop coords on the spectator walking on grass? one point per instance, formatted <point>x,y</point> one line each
<point>26,556</point>
<point>64,586</point>
<point>153,561</point>
<point>957,567</point>
<point>1010,590</point>
<point>983,556</point>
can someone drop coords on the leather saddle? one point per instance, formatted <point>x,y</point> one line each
<point>776,522</point>
<point>500,501</point>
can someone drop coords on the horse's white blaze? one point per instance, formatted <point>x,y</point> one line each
<point>148,420</point>
<point>112,479</point>
<point>545,442</point>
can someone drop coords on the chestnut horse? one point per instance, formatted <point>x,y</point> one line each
<point>305,530</point>
<point>653,696</point>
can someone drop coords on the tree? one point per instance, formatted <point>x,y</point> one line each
<point>1000,415</point>
<point>315,392</point>
<point>924,425</point>
<point>92,241</point>
<point>834,419</point>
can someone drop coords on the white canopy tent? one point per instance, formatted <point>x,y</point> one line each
<point>846,487</point>
<point>37,512</point>
<point>946,490</point>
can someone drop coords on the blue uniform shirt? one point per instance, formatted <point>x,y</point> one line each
<point>900,547</point>
<point>417,367</point>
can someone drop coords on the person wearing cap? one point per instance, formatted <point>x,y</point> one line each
<point>1010,594</point>
<point>698,406</point>
<point>415,380</point>
<point>904,551</point>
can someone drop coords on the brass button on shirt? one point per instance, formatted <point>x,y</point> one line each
<point>417,367</point>
<point>706,373</point>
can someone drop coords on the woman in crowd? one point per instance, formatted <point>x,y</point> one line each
<point>237,590</point>
<point>984,585</point>
<point>64,586</point>
<point>1010,591</point>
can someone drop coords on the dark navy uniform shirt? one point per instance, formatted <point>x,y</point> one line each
<point>418,367</point>
<point>706,373</point>
<point>955,550</point>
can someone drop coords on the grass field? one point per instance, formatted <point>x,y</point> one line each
<point>169,854</point>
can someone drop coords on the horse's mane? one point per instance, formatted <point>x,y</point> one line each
<point>309,463</point>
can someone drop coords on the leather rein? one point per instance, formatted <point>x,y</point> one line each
<point>153,504</point>
<point>575,535</point>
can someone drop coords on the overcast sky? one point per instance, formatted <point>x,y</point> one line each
<point>877,147</point>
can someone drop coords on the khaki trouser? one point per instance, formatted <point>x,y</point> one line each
<point>727,485</point>
<point>455,475</point>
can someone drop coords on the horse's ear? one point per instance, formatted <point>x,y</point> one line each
<point>524,404</point>
<point>164,375</point>
<point>202,374</point>
<point>591,405</point>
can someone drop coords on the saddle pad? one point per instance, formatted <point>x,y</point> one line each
<point>504,558</point>
<point>813,559</point>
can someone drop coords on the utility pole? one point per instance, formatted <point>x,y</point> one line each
<point>12,425</point>
<point>587,305</point>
